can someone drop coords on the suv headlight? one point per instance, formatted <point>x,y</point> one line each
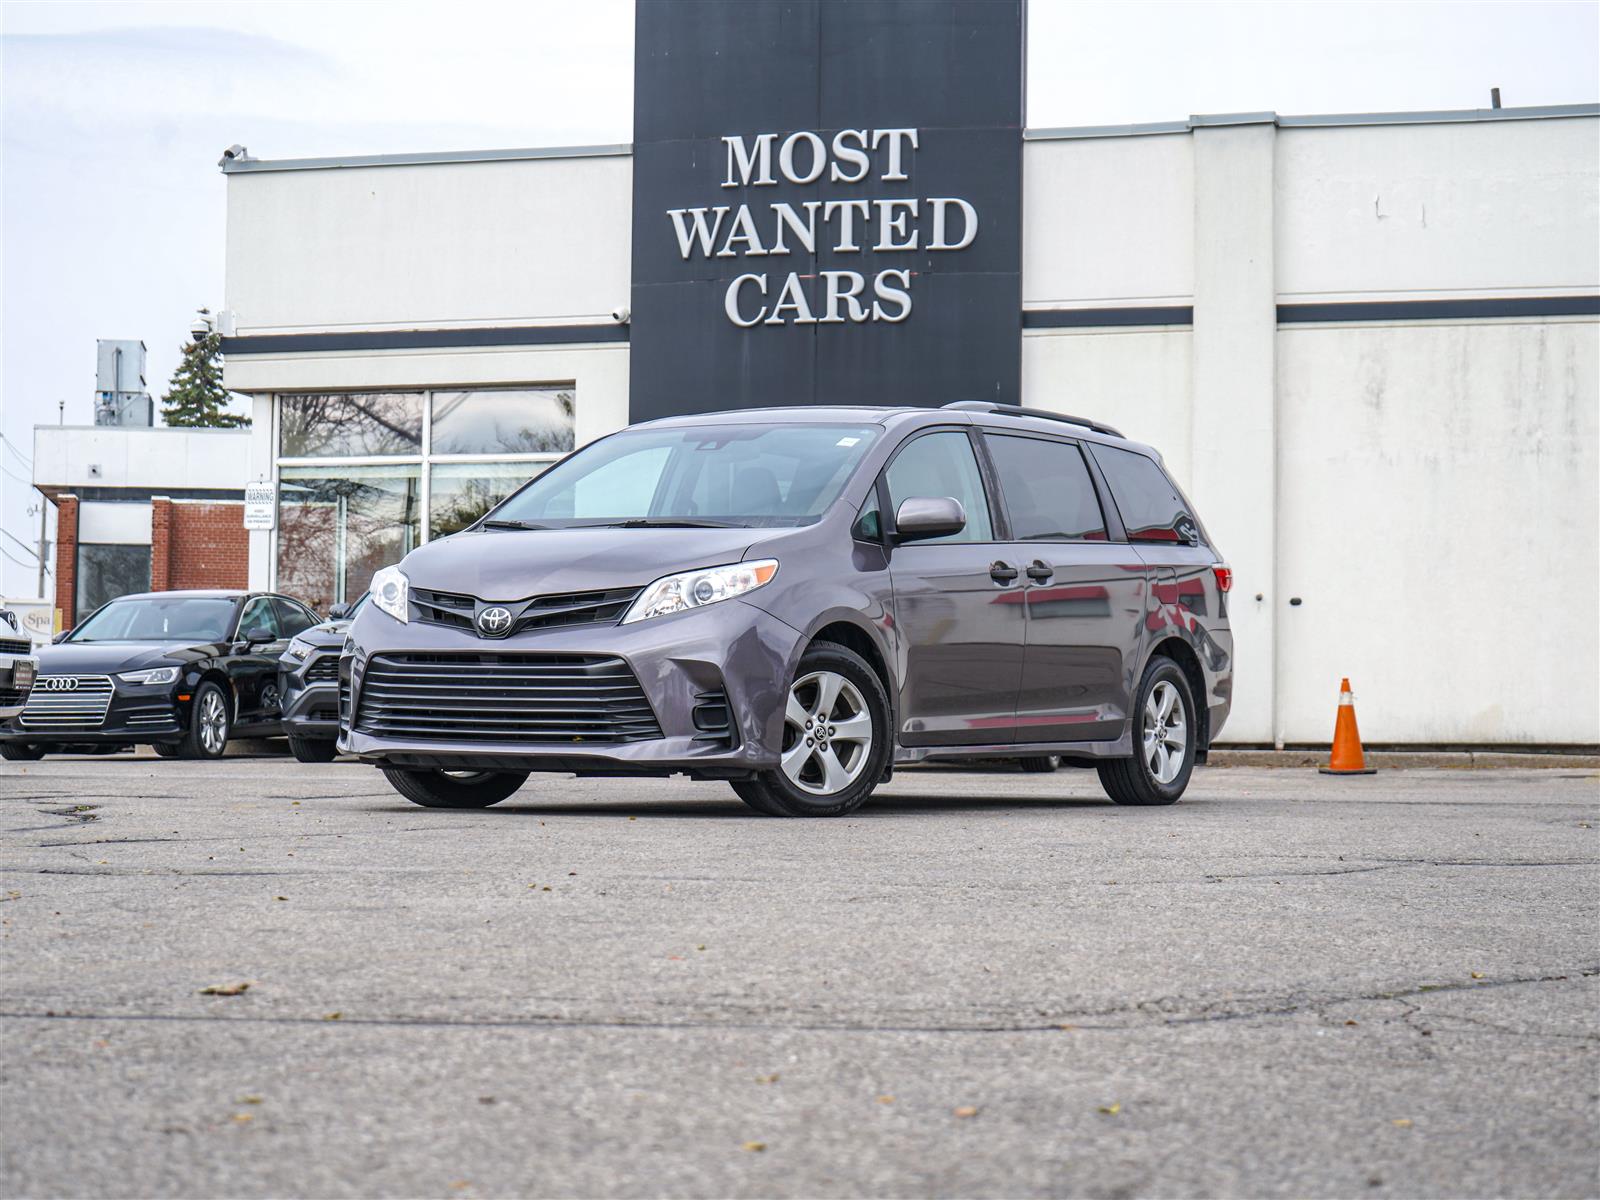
<point>391,591</point>
<point>298,650</point>
<point>153,675</point>
<point>696,589</point>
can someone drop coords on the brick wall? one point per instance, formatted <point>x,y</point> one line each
<point>198,544</point>
<point>67,559</point>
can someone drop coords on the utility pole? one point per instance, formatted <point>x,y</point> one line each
<point>44,512</point>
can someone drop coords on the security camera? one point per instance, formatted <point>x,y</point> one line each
<point>621,315</point>
<point>199,328</point>
<point>234,151</point>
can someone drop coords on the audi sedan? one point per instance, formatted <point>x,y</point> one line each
<point>180,671</point>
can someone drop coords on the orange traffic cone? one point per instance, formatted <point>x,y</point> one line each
<point>1346,758</point>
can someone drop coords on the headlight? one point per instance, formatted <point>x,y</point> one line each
<point>153,675</point>
<point>298,650</point>
<point>696,589</point>
<point>391,591</point>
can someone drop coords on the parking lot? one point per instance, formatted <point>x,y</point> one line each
<point>982,983</point>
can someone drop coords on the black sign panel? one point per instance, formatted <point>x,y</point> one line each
<point>827,203</point>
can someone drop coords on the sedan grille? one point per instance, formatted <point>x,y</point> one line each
<point>324,669</point>
<point>14,646</point>
<point>457,610</point>
<point>554,698</point>
<point>81,704</point>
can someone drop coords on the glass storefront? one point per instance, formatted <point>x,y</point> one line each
<point>365,477</point>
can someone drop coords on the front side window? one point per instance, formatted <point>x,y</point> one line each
<point>942,464</point>
<point>259,622</point>
<point>173,618</point>
<point>1049,494</point>
<point>746,475</point>
<point>1151,509</point>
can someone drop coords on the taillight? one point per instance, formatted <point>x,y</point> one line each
<point>1224,577</point>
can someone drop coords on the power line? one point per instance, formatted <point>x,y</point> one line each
<point>21,543</point>
<point>29,565</point>
<point>11,446</point>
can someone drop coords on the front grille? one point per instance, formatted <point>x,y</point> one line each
<point>14,646</point>
<point>324,669</point>
<point>457,609</point>
<point>84,707</point>
<point>553,698</point>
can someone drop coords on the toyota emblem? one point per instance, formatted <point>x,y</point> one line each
<point>494,622</point>
<point>57,683</point>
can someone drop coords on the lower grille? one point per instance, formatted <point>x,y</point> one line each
<point>15,646</point>
<point>323,669</point>
<point>553,698</point>
<point>83,706</point>
<point>712,718</point>
<point>10,697</point>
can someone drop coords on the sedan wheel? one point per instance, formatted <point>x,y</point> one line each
<point>209,723</point>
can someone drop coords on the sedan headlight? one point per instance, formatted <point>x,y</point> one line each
<point>391,591</point>
<point>298,649</point>
<point>696,589</point>
<point>153,675</point>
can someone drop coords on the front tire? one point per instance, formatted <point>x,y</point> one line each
<point>837,742</point>
<point>1164,732</point>
<point>313,750</point>
<point>433,788</point>
<point>167,749</point>
<point>21,751</point>
<point>210,722</point>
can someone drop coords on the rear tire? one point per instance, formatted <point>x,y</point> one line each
<point>1164,726</point>
<point>835,691</point>
<point>21,751</point>
<point>433,788</point>
<point>313,750</point>
<point>1040,764</point>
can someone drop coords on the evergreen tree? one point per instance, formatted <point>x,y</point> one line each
<point>195,396</point>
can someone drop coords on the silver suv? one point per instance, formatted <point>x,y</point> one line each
<point>798,600</point>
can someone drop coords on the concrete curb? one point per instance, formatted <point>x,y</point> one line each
<point>1402,759</point>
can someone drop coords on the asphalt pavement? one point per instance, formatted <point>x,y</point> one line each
<point>981,984</point>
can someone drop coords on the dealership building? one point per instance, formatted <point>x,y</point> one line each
<point>1367,345</point>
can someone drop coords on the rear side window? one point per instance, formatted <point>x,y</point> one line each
<point>1048,491</point>
<point>1152,510</point>
<point>942,464</point>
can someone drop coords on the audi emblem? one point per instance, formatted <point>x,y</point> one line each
<point>57,683</point>
<point>494,621</point>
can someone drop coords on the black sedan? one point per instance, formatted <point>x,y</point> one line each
<point>182,671</point>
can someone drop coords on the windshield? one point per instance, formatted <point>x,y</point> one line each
<point>159,619</point>
<point>742,475</point>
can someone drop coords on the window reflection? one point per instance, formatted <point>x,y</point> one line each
<point>524,421</point>
<point>350,424</point>
<point>460,493</point>
<point>337,527</point>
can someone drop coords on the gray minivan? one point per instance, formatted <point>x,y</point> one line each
<point>798,600</point>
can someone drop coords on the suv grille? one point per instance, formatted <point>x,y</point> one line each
<point>323,669</point>
<point>14,646</point>
<point>83,707</point>
<point>539,612</point>
<point>555,698</point>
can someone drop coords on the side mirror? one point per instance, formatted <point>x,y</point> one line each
<point>257,634</point>
<point>920,517</point>
<point>61,637</point>
<point>338,612</point>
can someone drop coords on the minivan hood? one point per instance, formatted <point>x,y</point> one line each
<point>107,658</point>
<point>516,564</point>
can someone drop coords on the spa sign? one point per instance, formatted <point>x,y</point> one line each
<point>864,224</point>
<point>827,203</point>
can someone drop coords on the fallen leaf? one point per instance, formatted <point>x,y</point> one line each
<point>485,1099</point>
<point>748,1143</point>
<point>753,1147</point>
<point>1477,974</point>
<point>1403,1122</point>
<point>885,1099</point>
<point>280,897</point>
<point>1066,1026</point>
<point>248,1100</point>
<point>243,1117</point>
<point>966,1110</point>
<point>773,1078</point>
<point>225,989</point>
<point>1349,1022</point>
<point>1111,1109</point>
<point>701,946</point>
<point>333,1016</point>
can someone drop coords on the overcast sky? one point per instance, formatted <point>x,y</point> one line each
<point>115,115</point>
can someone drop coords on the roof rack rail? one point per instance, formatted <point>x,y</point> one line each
<point>1016,410</point>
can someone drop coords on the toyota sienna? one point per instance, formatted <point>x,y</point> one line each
<point>797,601</point>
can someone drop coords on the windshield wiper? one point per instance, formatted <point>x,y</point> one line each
<point>503,523</point>
<point>672,523</point>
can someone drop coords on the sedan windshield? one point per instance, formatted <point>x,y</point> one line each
<point>739,475</point>
<point>159,619</point>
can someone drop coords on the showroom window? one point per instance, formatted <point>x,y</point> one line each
<point>365,477</point>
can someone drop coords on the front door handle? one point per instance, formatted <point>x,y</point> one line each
<point>1040,571</point>
<point>1002,572</point>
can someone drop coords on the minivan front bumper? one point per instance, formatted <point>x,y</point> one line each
<point>714,680</point>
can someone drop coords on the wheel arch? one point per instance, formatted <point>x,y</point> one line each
<point>856,636</point>
<point>1182,653</point>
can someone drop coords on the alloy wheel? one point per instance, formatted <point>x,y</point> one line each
<point>213,722</point>
<point>827,734</point>
<point>1165,732</point>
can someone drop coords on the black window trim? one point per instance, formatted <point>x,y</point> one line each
<point>997,526</point>
<point>1110,520</point>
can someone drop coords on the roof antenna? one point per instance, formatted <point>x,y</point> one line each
<point>1494,97</point>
